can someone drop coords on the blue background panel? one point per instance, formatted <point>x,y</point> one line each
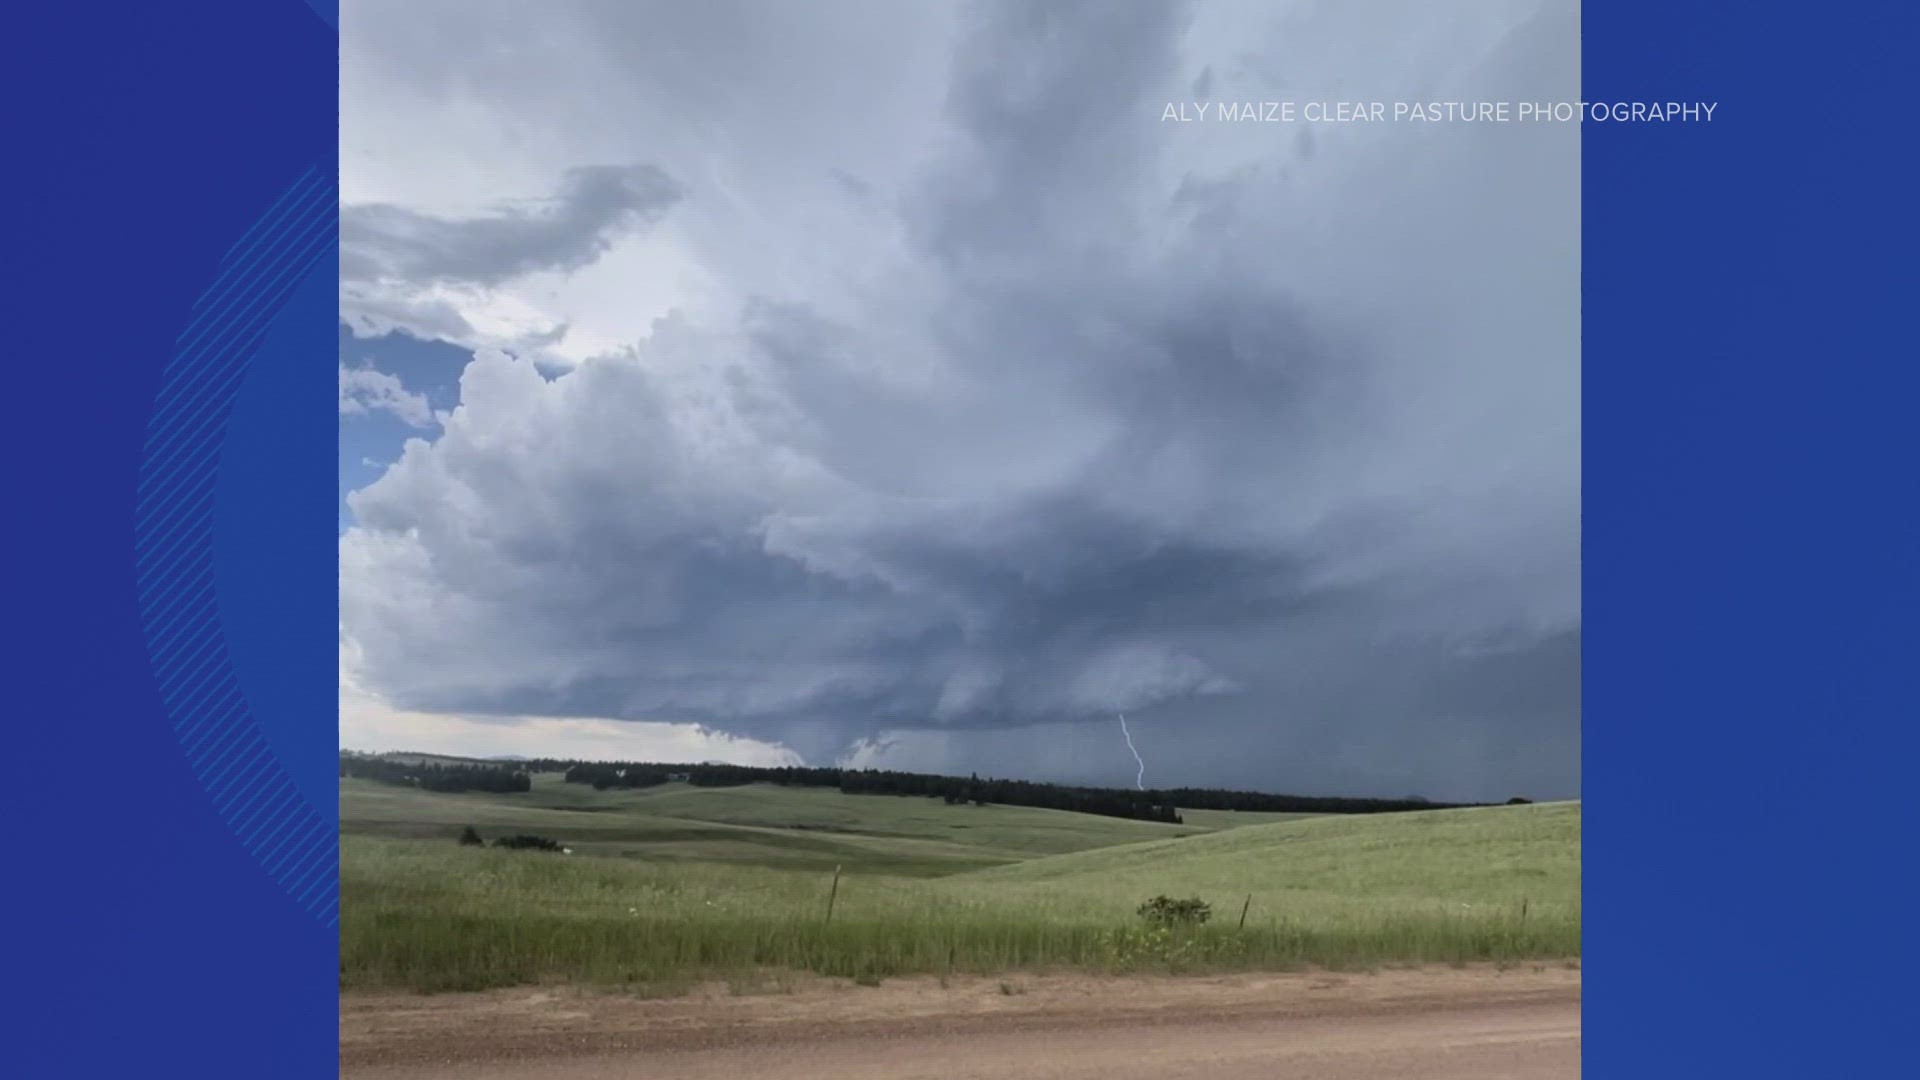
<point>1749,544</point>
<point>147,939</point>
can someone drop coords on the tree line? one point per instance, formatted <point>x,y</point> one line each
<point>1150,805</point>
<point>433,776</point>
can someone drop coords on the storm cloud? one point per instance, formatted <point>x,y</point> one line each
<point>393,259</point>
<point>566,232</point>
<point>1028,409</point>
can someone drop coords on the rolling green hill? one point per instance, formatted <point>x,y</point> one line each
<point>675,882</point>
<point>759,824</point>
<point>1433,861</point>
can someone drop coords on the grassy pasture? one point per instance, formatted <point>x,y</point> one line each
<point>734,881</point>
<point>758,825</point>
<point>1430,862</point>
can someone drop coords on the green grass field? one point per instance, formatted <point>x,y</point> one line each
<point>676,883</point>
<point>756,825</point>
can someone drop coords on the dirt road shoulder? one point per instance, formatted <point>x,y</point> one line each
<point>414,1035</point>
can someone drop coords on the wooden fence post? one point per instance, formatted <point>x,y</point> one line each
<point>834,893</point>
<point>1243,911</point>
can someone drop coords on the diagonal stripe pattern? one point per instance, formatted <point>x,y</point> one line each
<point>173,541</point>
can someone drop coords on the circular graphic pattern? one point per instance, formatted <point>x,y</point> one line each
<point>174,543</point>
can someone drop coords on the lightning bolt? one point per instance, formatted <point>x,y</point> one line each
<point>1139,779</point>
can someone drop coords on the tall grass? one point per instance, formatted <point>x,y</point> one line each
<point>425,951</point>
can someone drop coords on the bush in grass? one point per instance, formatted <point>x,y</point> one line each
<point>1131,946</point>
<point>1168,912</point>
<point>527,842</point>
<point>470,838</point>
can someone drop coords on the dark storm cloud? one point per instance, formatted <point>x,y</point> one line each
<point>1282,460</point>
<point>593,206</point>
<point>1049,100</point>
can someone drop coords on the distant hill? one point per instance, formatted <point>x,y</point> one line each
<point>444,773</point>
<point>1483,854</point>
<point>412,757</point>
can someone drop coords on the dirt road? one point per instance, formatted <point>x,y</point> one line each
<point>1433,1024</point>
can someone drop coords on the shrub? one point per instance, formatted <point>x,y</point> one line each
<point>524,841</point>
<point>471,838</point>
<point>1166,911</point>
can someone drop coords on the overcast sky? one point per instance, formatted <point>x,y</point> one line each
<point>890,383</point>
